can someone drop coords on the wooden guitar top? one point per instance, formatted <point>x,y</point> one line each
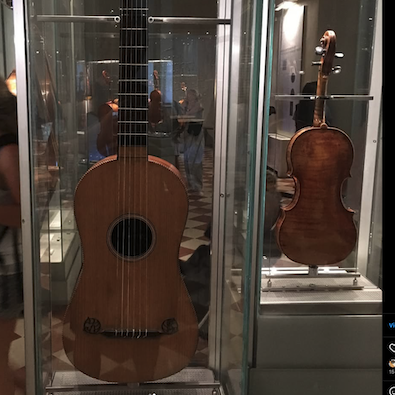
<point>130,319</point>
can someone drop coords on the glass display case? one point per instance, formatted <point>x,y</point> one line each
<point>313,302</point>
<point>215,91</point>
<point>86,79</point>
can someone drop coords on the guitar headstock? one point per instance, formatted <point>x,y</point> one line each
<point>327,51</point>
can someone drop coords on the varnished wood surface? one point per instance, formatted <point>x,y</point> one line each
<point>316,228</point>
<point>130,294</point>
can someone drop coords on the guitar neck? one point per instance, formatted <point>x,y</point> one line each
<point>133,74</point>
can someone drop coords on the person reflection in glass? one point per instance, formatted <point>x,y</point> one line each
<point>193,141</point>
<point>155,115</point>
<point>184,89</point>
<point>11,302</point>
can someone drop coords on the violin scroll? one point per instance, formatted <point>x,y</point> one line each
<point>327,51</point>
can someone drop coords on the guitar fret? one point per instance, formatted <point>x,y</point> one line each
<point>132,108</point>
<point>132,64</point>
<point>133,46</point>
<point>136,122</point>
<point>134,3</point>
<point>134,134</point>
<point>132,140</point>
<point>132,94</point>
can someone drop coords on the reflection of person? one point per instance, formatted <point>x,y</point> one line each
<point>170,120</point>
<point>193,141</point>
<point>184,90</point>
<point>107,140</point>
<point>154,109</point>
<point>272,211</point>
<point>10,222</point>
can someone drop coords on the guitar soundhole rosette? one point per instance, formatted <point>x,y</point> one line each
<point>131,237</point>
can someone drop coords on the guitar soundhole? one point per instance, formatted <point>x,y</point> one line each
<point>131,237</point>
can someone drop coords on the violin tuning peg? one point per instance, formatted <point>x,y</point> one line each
<point>339,55</point>
<point>319,50</point>
<point>315,63</point>
<point>336,69</point>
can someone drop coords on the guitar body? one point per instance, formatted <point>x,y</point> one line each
<point>316,228</point>
<point>115,325</point>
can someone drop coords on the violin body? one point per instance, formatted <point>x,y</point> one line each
<point>316,228</point>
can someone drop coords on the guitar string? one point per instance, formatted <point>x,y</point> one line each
<point>124,212</point>
<point>143,54</point>
<point>139,14</point>
<point>132,59</point>
<point>145,51</point>
<point>128,118</point>
<point>132,155</point>
<point>135,201</point>
<point>119,145</point>
<point>136,280</point>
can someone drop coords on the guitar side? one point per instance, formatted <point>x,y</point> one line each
<point>135,296</point>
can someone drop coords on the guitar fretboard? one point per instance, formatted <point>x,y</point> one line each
<point>133,74</point>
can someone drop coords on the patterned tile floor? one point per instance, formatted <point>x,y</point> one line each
<point>200,208</point>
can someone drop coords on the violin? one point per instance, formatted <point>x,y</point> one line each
<point>316,228</point>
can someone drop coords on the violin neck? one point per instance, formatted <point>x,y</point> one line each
<point>319,109</point>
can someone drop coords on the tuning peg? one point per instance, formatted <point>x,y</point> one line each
<point>319,50</point>
<point>339,55</point>
<point>315,63</point>
<point>336,69</point>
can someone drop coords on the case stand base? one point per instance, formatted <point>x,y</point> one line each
<point>190,381</point>
<point>310,272</point>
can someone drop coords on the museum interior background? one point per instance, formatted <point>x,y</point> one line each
<point>246,70</point>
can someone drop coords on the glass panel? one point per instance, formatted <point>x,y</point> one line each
<point>76,111</point>
<point>297,32</point>
<point>240,172</point>
<point>313,300</point>
<point>375,263</point>
<point>182,69</point>
<point>12,355</point>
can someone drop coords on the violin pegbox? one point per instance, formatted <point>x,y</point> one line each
<point>327,51</point>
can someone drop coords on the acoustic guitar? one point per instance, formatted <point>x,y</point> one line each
<point>316,228</point>
<point>130,318</point>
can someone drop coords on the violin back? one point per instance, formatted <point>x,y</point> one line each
<point>316,228</point>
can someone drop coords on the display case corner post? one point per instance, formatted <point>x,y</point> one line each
<point>373,127</point>
<point>217,240</point>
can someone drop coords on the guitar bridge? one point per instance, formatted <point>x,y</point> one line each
<point>93,327</point>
